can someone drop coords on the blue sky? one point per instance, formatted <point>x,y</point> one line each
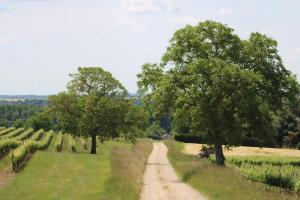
<point>42,41</point>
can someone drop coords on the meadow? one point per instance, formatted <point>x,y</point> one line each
<point>273,167</point>
<point>48,166</point>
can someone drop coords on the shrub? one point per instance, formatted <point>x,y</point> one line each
<point>7,144</point>
<point>25,135</point>
<point>59,142</point>
<point>6,131</point>
<point>71,143</point>
<point>155,131</point>
<point>298,146</point>
<point>14,133</point>
<point>22,153</point>
<point>255,142</point>
<point>189,138</point>
<point>37,135</point>
<point>274,171</point>
<point>83,143</point>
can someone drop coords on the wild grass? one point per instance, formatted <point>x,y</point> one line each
<point>62,176</point>
<point>220,183</point>
<point>127,169</point>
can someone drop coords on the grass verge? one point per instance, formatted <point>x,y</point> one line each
<point>127,169</point>
<point>220,183</point>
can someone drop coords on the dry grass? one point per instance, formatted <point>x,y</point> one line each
<point>193,149</point>
<point>127,169</point>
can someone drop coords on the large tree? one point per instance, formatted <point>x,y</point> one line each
<point>94,104</point>
<point>223,87</point>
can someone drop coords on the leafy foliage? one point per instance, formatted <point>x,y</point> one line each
<point>17,114</point>
<point>215,84</point>
<point>275,171</point>
<point>59,141</point>
<point>20,154</point>
<point>94,105</point>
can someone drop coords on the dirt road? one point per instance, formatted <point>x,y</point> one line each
<point>161,181</point>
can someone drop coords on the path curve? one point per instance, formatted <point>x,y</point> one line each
<point>160,180</point>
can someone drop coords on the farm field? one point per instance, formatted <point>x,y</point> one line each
<point>272,166</point>
<point>224,183</point>
<point>62,170</point>
<point>193,149</point>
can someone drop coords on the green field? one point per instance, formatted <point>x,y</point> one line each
<point>221,183</point>
<point>52,175</point>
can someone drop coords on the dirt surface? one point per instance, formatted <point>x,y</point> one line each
<point>5,177</point>
<point>193,149</point>
<point>161,181</point>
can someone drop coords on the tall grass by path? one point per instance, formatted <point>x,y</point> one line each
<point>220,183</point>
<point>127,169</point>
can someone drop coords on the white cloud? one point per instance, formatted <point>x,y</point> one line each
<point>7,38</point>
<point>149,51</point>
<point>225,12</point>
<point>140,6</point>
<point>172,5</point>
<point>295,51</point>
<point>267,32</point>
<point>129,24</point>
<point>187,20</point>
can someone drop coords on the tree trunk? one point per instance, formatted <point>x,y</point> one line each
<point>220,159</point>
<point>94,144</point>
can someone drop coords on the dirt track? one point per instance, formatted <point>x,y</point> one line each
<point>161,181</point>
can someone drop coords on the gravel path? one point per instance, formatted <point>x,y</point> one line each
<point>161,181</point>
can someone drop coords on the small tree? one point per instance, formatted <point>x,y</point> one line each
<point>93,105</point>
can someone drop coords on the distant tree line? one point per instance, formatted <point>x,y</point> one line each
<point>17,115</point>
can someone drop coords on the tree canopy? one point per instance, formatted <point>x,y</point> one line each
<point>219,85</point>
<point>95,105</point>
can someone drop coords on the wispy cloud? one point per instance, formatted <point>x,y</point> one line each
<point>3,8</point>
<point>295,52</point>
<point>7,38</point>
<point>187,20</point>
<point>149,51</point>
<point>225,12</point>
<point>140,6</point>
<point>266,32</point>
<point>172,5</point>
<point>129,24</point>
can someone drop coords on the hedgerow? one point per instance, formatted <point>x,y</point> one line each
<point>14,133</point>
<point>7,144</point>
<point>6,131</point>
<point>25,135</point>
